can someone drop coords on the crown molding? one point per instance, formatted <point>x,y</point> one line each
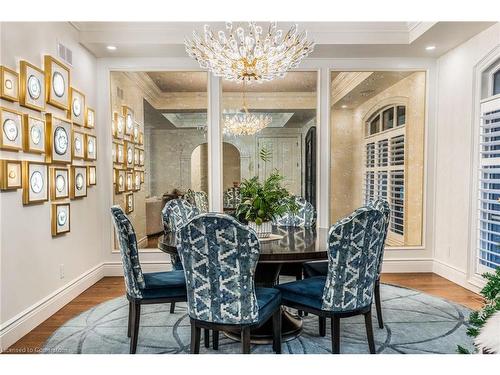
<point>345,82</point>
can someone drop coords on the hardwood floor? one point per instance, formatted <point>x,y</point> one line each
<point>112,287</point>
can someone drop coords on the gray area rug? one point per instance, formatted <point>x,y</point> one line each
<point>415,322</point>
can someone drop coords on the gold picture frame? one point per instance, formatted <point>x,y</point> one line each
<point>34,134</point>
<point>137,180</point>
<point>141,138</point>
<point>120,153</point>
<point>136,132</point>
<point>90,118</point>
<point>90,147</point>
<point>129,203</point>
<point>136,157</point>
<point>141,157</point>
<point>11,176</point>
<point>128,114</point>
<point>78,106</point>
<point>11,130</point>
<point>9,84</point>
<point>118,126</point>
<point>129,181</point>
<point>129,154</point>
<point>59,183</point>
<point>60,218</point>
<point>78,149</point>
<point>35,182</point>
<point>142,177</point>
<point>59,140</point>
<point>31,86</point>
<point>120,185</point>
<point>91,175</point>
<point>78,182</point>
<point>57,83</point>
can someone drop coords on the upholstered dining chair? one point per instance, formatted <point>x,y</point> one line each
<point>220,256</point>
<point>304,217</point>
<point>347,290</point>
<point>232,198</point>
<point>143,288</point>
<point>175,214</point>
<point>199,199</point>
<point>320,268</point>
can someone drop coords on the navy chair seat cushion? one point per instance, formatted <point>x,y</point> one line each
<point>164,285</point>
<point>268,300</point>
<point>312,269</point>
<point>307,292</point>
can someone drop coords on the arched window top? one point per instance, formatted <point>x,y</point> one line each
<point>385,119</point>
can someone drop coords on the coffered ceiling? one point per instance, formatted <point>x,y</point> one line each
<point>333,39</point>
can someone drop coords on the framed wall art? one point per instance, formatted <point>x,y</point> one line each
<point>59,139</point>
<point>129,203</point>
<point>136,156</point>
<point>120,180</point>
<point>141,138</point>
<point>120,153</point>
<point>31,86</point>
<point>118,126</point>
<point>135,134</point>
<point>60,218</point>
<point>129,182</point>
<point>9,84</point>
<point>57,81</point>
<point>114,154</point>
<point>91,175</point>
<point>77,107</point>
<point>90,147</point>
<point>59,183</point>
<point>142,177</point>
<point>137,180</point>
<point>78,184</point>
<point>11,136</point>
<point>141,157</point>
<point>128,114</point>
<point>90,118</point>
<point>78,151</point>
<point>33,134</point>
<point>10,174</point>
<point>35,182</point>
<point>129,154</point>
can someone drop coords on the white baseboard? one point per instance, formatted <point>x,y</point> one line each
<point>455,275</point>
<point>405,265</point>
<point>24,322</point>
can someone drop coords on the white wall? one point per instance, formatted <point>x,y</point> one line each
<point>455,155</point>
<point>30,257</point>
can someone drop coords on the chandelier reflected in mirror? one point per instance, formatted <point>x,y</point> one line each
<point>244,122</point>
<point>249,54</point>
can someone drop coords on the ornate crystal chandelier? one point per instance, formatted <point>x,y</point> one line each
<point>249,55</point>
<point>244,122</point>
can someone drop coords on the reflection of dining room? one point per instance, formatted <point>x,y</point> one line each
<point>293,194</point>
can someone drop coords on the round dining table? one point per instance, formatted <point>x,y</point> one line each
<point>286,245</point>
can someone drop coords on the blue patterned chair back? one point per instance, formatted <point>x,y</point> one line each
<point>305,217</point>
<point>176,213</point>
<point>134,279</point>
<point>383,207</point>
<point>232,197</point>
<point>199,199</point>
<point>219,256</point>
<point>354,252</point>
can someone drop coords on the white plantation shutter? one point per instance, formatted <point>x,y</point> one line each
<point>488,242</point>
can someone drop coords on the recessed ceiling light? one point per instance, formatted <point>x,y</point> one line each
<point>344,106</point>
<point>111,48</point>
<point>430,48</point>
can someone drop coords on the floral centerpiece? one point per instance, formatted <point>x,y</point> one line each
<point>261,203</point>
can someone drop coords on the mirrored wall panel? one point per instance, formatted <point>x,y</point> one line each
<point>377,148</point>
<point>159,148</point>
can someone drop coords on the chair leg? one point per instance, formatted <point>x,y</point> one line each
<point>172,308</point>
<point>135,328</point>
<point>322,326</point>
<point>277,331</point>
<point>130,317</point>
<point>195,338</point>
<point>335,335</point>
<point>215,340</point>
<point>369,331</point>
<point>298,277</point>
<point>245,340</point>
<point>206,337</point>
<point>378,304</point>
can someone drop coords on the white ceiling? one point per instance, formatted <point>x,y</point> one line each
<point>333,39</point>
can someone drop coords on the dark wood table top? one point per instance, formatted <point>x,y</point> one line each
<point>297,245</point>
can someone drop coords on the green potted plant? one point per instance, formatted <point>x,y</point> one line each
<point>263,202</point>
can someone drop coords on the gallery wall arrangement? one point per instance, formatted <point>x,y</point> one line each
<point>67,144</point>
<point>128,156</point>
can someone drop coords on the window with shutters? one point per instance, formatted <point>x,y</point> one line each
<point>385,165</point>
<point>488,241</point>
